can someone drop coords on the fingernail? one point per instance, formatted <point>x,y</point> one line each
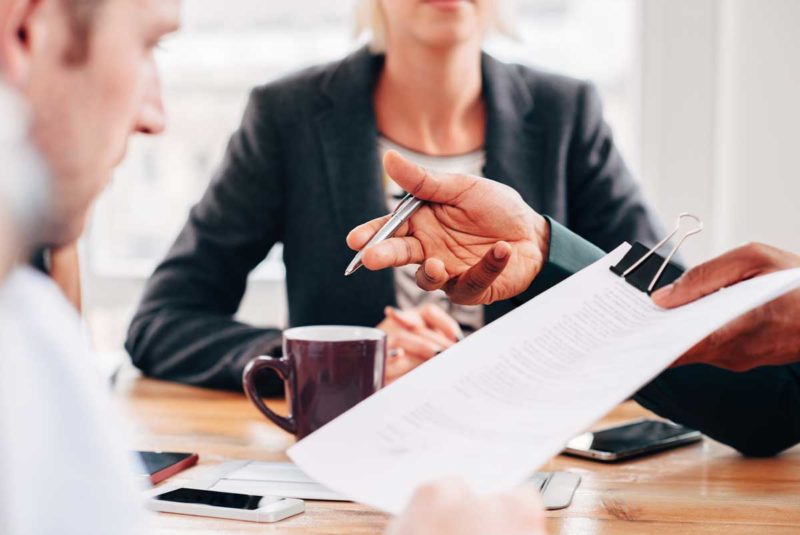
<point>664,292</point>
<point>393,353</point>
<point>500,254</point>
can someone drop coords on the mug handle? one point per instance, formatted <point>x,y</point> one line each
<point>283,368</point>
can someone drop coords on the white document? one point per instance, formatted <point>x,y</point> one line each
<point>268,479</point>
<point>498,405</point>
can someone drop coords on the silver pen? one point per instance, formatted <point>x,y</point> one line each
<point>401,214</point>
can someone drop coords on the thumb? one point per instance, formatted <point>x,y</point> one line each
<point>442,188</point>
<point>734,266</point>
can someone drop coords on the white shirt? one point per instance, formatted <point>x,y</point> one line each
<point>64,465</point>
<point>407,292</point>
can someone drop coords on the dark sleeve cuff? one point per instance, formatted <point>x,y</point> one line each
<point>755,411</point>
<point>568,253</point>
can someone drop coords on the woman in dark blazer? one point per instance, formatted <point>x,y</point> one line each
<point>304,168</point>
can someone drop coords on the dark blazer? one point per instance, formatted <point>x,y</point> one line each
<point>303,169</point>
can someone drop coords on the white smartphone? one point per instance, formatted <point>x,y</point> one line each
<point>213,503</point>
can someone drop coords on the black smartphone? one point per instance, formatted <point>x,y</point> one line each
<point>162,464</point>
<point>631,439</point>
<point>231,500</point>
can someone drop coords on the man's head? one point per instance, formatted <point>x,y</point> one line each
<point>87,72</point>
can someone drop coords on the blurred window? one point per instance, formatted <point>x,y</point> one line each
<point>226,48</point>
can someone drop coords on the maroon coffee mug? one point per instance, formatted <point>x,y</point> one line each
<point>326,370</point>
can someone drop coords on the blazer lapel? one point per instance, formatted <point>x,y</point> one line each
<point>348,135</point>
<point>346,124</point>
<point>514,143</point>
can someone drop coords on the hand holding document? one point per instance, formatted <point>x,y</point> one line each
<point>495,407</point>
<point>766,336</point>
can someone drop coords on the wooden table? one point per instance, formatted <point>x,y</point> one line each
<point>705,488</point>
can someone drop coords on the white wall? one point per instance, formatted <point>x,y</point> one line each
<point>759,142</point>
<point>721,109</point>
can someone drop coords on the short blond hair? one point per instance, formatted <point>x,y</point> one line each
<point>369,22</point>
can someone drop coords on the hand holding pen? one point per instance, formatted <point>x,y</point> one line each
<point>402,213</point>
<point>475,238</point>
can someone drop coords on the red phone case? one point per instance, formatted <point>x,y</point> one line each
<point>173,469</point>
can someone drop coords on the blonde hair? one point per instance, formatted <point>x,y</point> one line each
<point>369,22</point>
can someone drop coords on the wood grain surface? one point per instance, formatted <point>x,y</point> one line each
<point>703,488</point>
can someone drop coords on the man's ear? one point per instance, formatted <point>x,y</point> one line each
<point>15,19</point>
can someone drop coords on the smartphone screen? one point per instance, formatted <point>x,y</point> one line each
<point>231,500</point>
<point>633,438</point>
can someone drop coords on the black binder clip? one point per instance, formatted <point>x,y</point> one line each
<point>648,271</point>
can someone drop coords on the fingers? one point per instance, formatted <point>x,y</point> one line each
<point>439,320</point>
<point>435,187</point>
<point>450,506</point>
<point>694,356</point>
<point>442,492</point>
<point>525,503</point>
<point>399,365</point>
<point>393,252</point>
<point>473,286</point>
<point>431,275</point>
<point>434,508</point>
<point>410,320</point>
<point>734,266</point>
<point>414,321</point>
<point>724,347</point>
<point>360,236</point>
<point>415,344</point>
